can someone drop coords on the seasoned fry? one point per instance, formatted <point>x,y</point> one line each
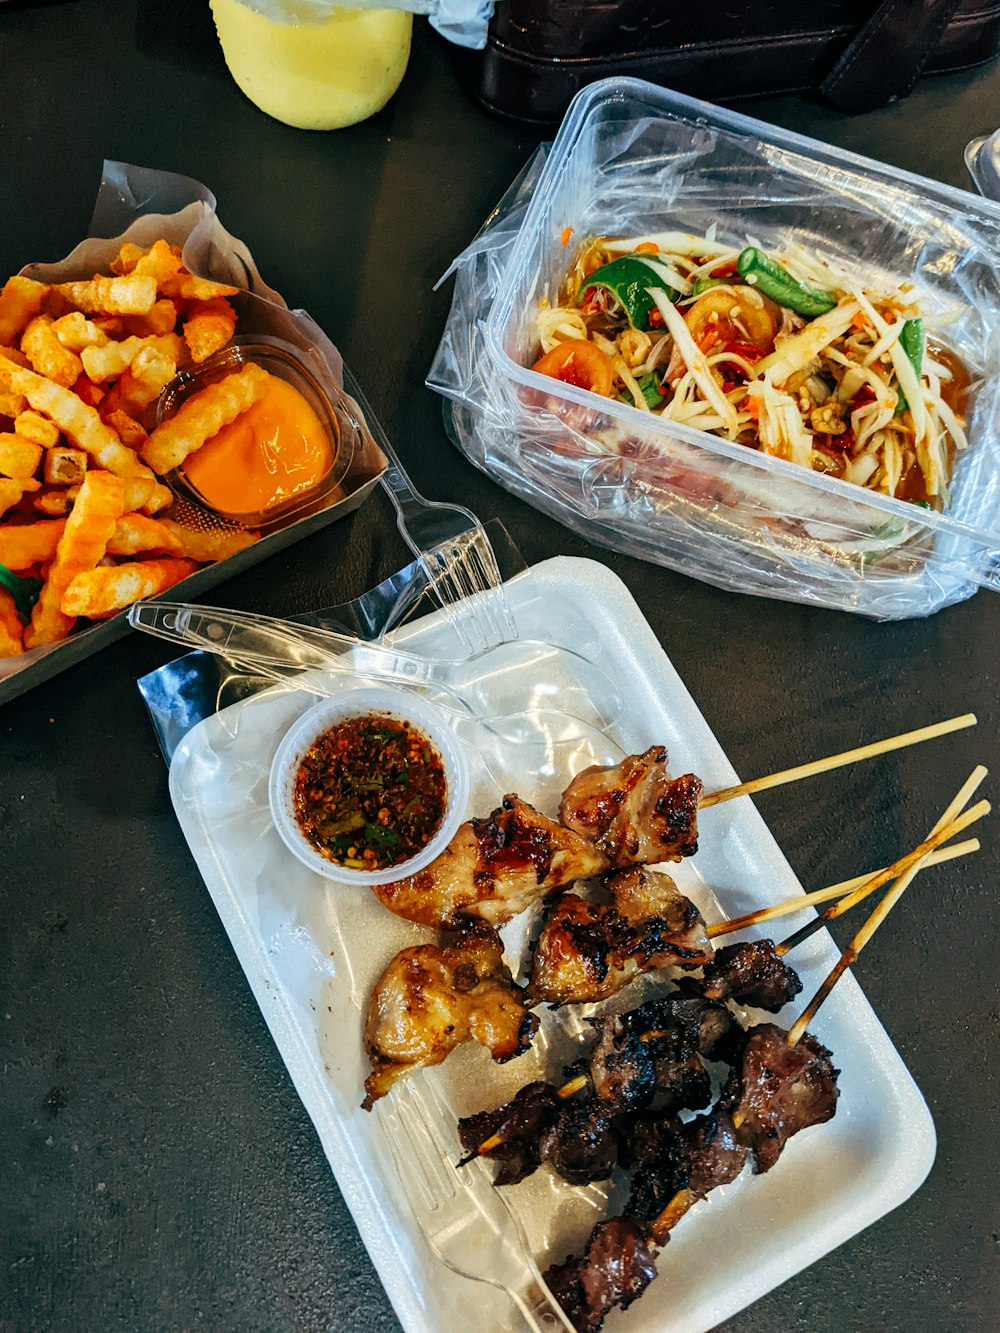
<point>161,319</point>
<point>89,392</point>
<point>91,523</point>
<point>131,295</point>
<point>11,491</point>
<point>20,301</point>
<point>202,416</point>
<point>208,327</point>
<point>47,354</point>
<point>19,458</point>
<point>126,258</point>
<point>38,429</point>
<point>109,359</point>
<point>209,546</point>
<point>11,629</point>
<point>64,467</point>
<point>188,287</point>
<point>11,404</point>
<point>135,533</point>
<point>76,332</point>
<point>55,503</point>
<point>29,544</point>
<point>128,430</point>
<point>82,424</point>
<point>102,592</point>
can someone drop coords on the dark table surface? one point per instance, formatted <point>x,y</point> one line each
<point>158,1170</point>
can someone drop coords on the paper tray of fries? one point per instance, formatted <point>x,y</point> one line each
<point>87,345</point>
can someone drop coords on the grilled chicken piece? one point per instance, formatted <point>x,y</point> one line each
<point>589,951</point>
<point>429,1000</point>
<point>634,811</point>
<point>494,868</point>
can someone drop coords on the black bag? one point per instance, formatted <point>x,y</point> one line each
<point>539,53</point>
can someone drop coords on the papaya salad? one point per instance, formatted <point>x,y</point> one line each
<point>777,350</point>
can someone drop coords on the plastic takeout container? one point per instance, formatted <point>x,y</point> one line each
<point>404,707</point>
<point>330,404</point>
<point>630,158</point>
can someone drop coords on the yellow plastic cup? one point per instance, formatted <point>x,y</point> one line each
<point>315,75</point>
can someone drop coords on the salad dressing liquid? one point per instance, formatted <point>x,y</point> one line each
<point>315,75</point>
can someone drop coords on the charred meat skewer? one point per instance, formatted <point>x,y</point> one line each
<point>652,1054</point>
<point>777,1090</point>
<point>429,1000</point>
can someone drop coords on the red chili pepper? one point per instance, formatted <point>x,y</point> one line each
<point>748,351</point>
<point>726,270</point>
<point>655,319</point>
<point>866,394</point>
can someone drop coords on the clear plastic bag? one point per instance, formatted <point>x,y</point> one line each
<point>633,157</point>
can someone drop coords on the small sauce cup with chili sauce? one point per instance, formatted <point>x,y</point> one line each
<point>369,785</point>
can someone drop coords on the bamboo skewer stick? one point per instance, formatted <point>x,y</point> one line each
<point>839,760</point>
<point>942,831</point>
<point>800,903</point>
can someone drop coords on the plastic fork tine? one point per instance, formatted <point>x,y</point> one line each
<point>466,1222</point>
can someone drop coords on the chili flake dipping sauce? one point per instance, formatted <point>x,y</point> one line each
<point>370,792</point>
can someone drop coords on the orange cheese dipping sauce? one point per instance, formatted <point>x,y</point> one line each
<point>276,450</point>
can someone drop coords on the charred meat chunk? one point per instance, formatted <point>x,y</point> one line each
<point>589,951</point>
<point>494,868</point>
<point>634,811</point>
<point>753,974</point>
<point>519,1125</point>
<point>614,1270</point>
<point>778,1090</point>
<point>430,1000</point>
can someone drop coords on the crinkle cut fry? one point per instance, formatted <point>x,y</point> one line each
<point>82,424</point>
<point>102,592</point>
<point>88,530</point>
<point>202,416</point>
<point>11,629</point>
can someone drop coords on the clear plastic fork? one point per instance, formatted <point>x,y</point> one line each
<point>453,548</point>
<point>466,1221</point>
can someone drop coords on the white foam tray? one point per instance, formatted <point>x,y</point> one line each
<point>311,952</point>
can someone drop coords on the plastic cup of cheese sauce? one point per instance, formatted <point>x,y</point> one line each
<point>282,455</point>
<point>313,65</point>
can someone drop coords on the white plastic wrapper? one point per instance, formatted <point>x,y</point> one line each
<point>461,21</point>
<point>633,158</point>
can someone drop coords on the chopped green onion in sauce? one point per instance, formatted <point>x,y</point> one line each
<point>371,792</point>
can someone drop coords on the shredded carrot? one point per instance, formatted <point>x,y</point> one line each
<point>646,248</point>
<point>751,406</point>
<point>708,339</point>
<point>860,321</point>
<point>567,232</point>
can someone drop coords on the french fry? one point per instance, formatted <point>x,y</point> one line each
<point>19,458</point>
<point>81,423</point>
<point>207,547</point>
<point>89,392</point>
<point>208,327</point>
<point>126,258</point>
<point>47,354</point>
<point>161,319</point>
<point>11,404</point>
<point>187,287</point>
<point>135,533</point>
<point>38,429</point>
<point>11,629</point>
<point>107,361</point>
<point>130,295</point>
<point>160,262</point>
<point>29,544</point>
<point>131,432</point>
<point>56,502</point>
<point>64,467</point>
<point>11,492</point>
<point>20,301</point>
<point>140,493</point>
<point>90,525</point>
<point>102,592</point>
<point>202,416</point>
<point>76,331</point>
